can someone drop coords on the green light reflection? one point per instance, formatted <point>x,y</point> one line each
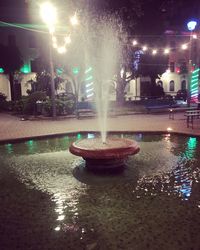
<point>9,148</point>
<point>32,146</point>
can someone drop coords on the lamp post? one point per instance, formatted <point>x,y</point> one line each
<point>191,25</point>
<point>49,16</point>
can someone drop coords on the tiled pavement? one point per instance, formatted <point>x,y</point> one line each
<point>12,127</point>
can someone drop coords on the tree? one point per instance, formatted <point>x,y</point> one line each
<point>153,66</point>
<point>121,15</point>
<point>10,61</point>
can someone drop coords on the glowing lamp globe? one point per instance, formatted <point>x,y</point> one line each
<point>191,25</point>
<point>48,13</point>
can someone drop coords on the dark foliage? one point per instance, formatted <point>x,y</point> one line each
<point>10,61</point>
<point>152,66</point>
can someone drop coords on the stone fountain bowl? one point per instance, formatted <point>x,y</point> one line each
<point>109,155</point>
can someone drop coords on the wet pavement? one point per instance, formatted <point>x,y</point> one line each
<point>12,127</point>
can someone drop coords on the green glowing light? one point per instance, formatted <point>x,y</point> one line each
<point>195,76</point>
<point>89,78</point>
<point>1,70</point>
<point>194,84</point>
<point>79,136</point>
<point>196,70</point>
<point>59,71</point>
<point>88,70</point>
<point>75,70</point>
<point>25,69</point>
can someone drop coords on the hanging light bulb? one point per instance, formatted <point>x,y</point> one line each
<point>166,51</point>
<point>61,50</point>
<point>135,42</point>
<point>184,46</point>
<point>144,48</point>
<point>55,45</point>
<point>67,39</point>
<point>74,20</point>
<point>154,52</point>
<point>194,36</point>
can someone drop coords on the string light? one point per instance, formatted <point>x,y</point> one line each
<point>166,51</point>
<point>134,42</point>
<point>184,46</point>
<point>67,39</point>
<point>61,50</point>
<point>194,36</point>
<point>144,48</point>
<point>154,52</point>
<point>74,20</point>
<point>49,16</point>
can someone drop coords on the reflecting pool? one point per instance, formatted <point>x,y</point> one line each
<point>50,201</point>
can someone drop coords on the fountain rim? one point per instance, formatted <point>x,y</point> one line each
<point>131,148</point>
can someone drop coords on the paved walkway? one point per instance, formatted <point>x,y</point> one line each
<point>11,127</point>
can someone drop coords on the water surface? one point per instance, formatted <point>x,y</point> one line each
<point>50,201</point>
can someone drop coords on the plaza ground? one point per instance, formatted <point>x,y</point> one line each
<point>12,127</point>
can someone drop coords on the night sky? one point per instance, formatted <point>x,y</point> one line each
<point>158,15</point>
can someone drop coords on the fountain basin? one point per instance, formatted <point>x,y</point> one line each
<point>108,155</point>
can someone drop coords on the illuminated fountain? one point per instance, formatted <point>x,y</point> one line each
<point>103,54</point>
<point>108,155</point>
<point>103,153</point>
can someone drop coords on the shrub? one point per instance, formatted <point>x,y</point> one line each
<point>27,104</point>
<point>19,105</point>
<point>64,105</point>
<point>3,101</point>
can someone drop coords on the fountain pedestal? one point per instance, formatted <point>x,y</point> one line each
<point>109,155</point>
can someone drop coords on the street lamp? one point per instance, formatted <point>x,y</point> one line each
<point>191,25</point>
<point>49,16</point>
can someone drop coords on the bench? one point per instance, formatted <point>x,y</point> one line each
<point>191,115</point>
<point>160,105</point>
<point>172,111</point>
<point>85,109</point>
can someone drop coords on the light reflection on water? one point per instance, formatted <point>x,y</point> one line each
<point>183,175</point>
<point>167,166</point>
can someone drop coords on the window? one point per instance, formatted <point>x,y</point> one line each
<point>172,66</point>
<point>171,85</point>
<point>183,85</point>
<point>11,40</point>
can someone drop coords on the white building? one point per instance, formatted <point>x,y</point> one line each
<point>135,88</point>
<point>172,82</point>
